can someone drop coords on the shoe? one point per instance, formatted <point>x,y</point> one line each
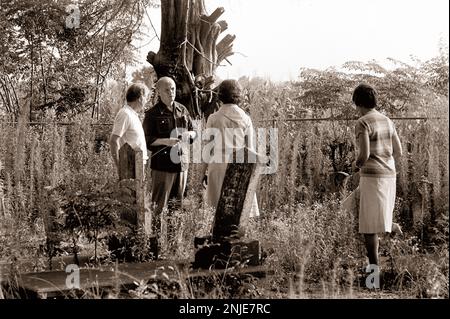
<point>396,229</point>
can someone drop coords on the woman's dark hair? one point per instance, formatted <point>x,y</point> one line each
<point>134,92</point>
<point>230,92</point>
<point>365,96</point>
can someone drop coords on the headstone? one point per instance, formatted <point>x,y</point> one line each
<point>127,162</point>
<point>131,168</point>
<point>226,246</point>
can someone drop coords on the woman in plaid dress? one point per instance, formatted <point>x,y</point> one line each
<point>378,148</point>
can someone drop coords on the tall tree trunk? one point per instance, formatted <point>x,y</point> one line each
<point>95,108</point>
<point>31,79</point>
<point>44,81</point>
<point>189,52</point>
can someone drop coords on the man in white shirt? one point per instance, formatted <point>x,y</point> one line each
<point>127,125</point>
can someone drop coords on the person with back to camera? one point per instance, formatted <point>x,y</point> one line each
<point>229,116</point>
<point>379,148</point>
<point>127,126</point>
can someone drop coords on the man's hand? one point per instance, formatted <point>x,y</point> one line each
<point>171,141</point>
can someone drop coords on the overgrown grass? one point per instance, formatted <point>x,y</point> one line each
<point>311,244</point>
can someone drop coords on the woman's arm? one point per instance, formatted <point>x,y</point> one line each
<point>364,148</point>
<point>204,173</point>
<point>396,146</point>
<point>204,163</point>
<point>251,136</point>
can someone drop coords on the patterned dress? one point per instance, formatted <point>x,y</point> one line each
<point>378,175</point>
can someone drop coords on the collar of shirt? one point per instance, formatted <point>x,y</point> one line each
<point>163,108</point>
<point>134,112</point>
<point>229,108</point>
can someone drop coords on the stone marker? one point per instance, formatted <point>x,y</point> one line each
<point>226,247</point>
<point>131,167</point>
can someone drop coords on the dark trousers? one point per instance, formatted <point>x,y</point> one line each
<point>167,191</point>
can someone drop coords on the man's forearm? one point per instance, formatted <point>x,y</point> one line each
<point>160,142</point>
<point>165,142</point>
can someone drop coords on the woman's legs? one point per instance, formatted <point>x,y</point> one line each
<point>372,244</point>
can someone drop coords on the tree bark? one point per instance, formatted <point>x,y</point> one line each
<point>44,82</point>
<point>189,52</point>
<point>31,80</point>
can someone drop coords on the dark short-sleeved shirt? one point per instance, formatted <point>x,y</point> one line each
<point>159,122</point>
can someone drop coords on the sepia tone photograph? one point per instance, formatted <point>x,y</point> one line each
<point>224,150</point>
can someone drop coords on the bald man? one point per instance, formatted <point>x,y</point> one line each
<point>166,124</point>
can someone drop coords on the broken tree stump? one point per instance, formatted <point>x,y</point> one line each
<point>189,49</point>
<point>226,247</point>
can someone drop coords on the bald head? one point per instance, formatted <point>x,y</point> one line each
<point>166,89</point>
<point>165,80</point>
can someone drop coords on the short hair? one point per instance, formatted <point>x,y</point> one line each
<point>134,92</point>
<point>365,96</point>
<point>230,92</point>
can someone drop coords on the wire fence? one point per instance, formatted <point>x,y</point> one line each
<point>326,119</point>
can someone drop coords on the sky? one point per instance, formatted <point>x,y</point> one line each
<point>274,39</point>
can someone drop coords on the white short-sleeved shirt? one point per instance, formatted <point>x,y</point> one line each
<point>128,127</point>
